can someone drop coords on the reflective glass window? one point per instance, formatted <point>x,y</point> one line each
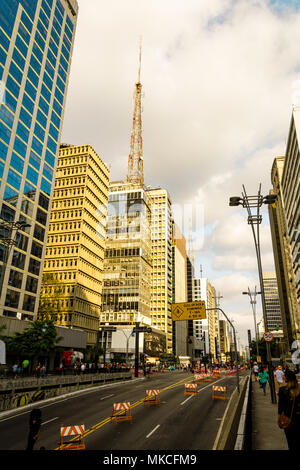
<point>48,81</point>
<point>12,86</point>
<point>55,119</point>
<point>44,202</point>
<point>1,168</point>
<point>4,41</point>
<point>31,90</point>
<point>69,23</point>
<point>52,144</point>
<point>56,25</point>
<point>34,266</point>
<point>22,46</point>
<point>57,107</point>
<point>33,77</point>
<point>29,303</point>
<point>29,190</point>
<point>39,131</point>
<point>44,105</point>
<point>53,47</point>
<point>66,53</point>
<point>28,103</point>
<point>14,179</point>
<point>19,59</point>
<point>18,259</point>
<point>46,8</point>
<point>53,132</point>
<point>45,186</point>
<point>21,241</point>
<point>37,52</point>
<point>55,36</point>
<point>10,101</point>
<point>15,72</point>
<point>32,175</point>
<point>46,93</point>
<point>35,64</point>
<point>26,21</point>
<point>48,172</point>
<point>60,84</point>
<point>35,160</point>
<point>6,116</point>
<point>5,133</point>
<point>27,207</point>
<point>31,284</point>
<point>10,196</point>
<point>68,33</point>
<point>51,58</point>
<point>24,34</point>
<point>41,28</point>
<point>3,56</point>
<point>37,146</point>
<point>40,40</point>
<point>49,69</point>
<point>44,19</point>
<point>41,216</point>
<point>3,150</point>
<point>63,63</point>
<point>12,298</point>
<point>50,158</point>
<point>62,73</point>
<point>37,249</point>
<point>39,232</point>
<point>23,132</point>
<point>41,118</point>
<point>20,147</point>
<point>59,96</point>
<point>15,278</point>
<point>7,213</point>
<point>25,117</point>
<point>60,8</point>
<point>17,163</point>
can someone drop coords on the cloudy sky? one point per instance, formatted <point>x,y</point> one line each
<point>218,78</point>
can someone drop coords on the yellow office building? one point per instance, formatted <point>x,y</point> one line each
<point>73,268</point>
<point>161,285</point>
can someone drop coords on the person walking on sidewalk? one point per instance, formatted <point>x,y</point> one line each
<point>289,410</point>
<point>255,371</point>
<point>263,378</point>
<point>279,378</point>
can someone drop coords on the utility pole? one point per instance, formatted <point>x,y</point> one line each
<point>138,329</point>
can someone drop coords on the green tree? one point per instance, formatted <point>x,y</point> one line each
<point>40,338</point>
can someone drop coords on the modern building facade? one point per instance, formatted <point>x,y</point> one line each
<point>127,263</point>
<point>161,278</point>
<point>291,199</point>
<point>73,268</point>
<point>273,314</point>
<point>179,288</point>
<point>283,259</point>
<point>36,43</point>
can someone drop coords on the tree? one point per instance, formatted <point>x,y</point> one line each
<point>40,338</point>
<point>51,292</point>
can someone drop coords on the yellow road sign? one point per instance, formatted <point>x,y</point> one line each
<point>189,311</point>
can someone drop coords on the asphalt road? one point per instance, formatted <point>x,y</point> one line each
<point>180,422</point>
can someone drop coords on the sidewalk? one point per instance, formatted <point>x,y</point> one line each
<point>266,435</point>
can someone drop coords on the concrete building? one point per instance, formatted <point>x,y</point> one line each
<point>73,268</point>
<point>273,314</point>
<point>283,260</point>
<point>291,200</point>
<point>35,56</point>
<point>161,277</point>
<point>179,288</point>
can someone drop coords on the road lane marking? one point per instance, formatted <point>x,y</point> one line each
<point>49,421</point>
<point>153,430</point>
<point>103,398</point>
<point>186,400</point>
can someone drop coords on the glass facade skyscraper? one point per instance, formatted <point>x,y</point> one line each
<point>36,43</point>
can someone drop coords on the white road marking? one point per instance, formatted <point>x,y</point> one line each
<point>49,421</point>
<point>153,430</point>
<point>106,397</point>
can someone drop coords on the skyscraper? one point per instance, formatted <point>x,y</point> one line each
<point>272,301</point>
<point>36,43</point>
<point>73,270</point>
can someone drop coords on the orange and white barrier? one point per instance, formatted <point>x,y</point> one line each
<point>198,378</point>
<point>152,397</point>
<point>190,389</point>
<point>207,377</point>
<point>121,412</point>
<point>72,437</point>
<point>218,392</point>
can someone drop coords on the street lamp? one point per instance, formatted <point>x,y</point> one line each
<point>256,202</point>
<point>253,304</point>
<point>235,345</point>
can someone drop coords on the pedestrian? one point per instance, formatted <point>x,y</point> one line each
<point>15,370</point>
<point>255,371</point>
<point>43,370</point>
<point>82,367</point>
<point>38,370</point>
<point>279,378</point>
<point>263,378</point>
<point>25,367</point>
<point>289,410</point>
<point>35,422</point>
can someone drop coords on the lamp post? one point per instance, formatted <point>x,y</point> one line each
<point>256,202</point>
<point>235,345</point>
<point>253,304</point>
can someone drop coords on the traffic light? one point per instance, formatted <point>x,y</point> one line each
<point>270,199</point>
<point>235,201</point>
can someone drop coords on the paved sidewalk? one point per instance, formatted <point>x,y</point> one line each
<point>266,435</point>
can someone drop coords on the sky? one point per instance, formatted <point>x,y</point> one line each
<point>219,80</point>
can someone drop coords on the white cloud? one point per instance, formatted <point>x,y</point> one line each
<point>217,78</point>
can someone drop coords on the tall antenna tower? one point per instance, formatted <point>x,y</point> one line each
<point>135,170</point>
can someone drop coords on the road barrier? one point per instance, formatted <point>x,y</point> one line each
<point>207,378</point>
<point>72,437</point>
<point>218,392</point>
<point>119,408</point>
<point>198,379</point>
<point>216,374</point>
<point>152,397</point>
<point>190,389</point>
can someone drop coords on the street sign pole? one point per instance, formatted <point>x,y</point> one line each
<point>136,367</point>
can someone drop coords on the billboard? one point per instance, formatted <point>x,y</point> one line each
<point>189,311</point>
